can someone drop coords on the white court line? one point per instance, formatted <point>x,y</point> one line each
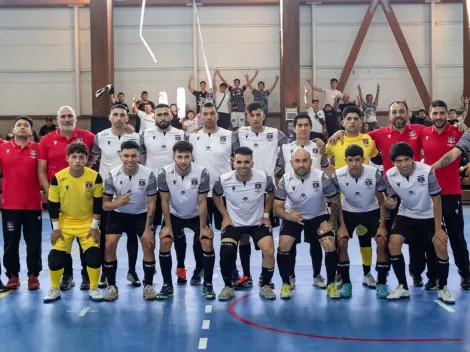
<point>208,308</point>
<point>202,343</point>
<point>84,311</point>
<point>206,324</point>
<point>445,306</point>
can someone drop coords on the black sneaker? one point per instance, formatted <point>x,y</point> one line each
<point>208,291</point>
<point>197,277</point>
<point>85,283</point>
<point>166,291</point>
<point>66,283</point>
<point>103,281</point>
<point>2,286</point>
<point>465,283</point>
<point>133,279</point>
<point>417,281</point>
<point>431,285</point>
<point>260,282</point>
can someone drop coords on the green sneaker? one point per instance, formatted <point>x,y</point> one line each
<point>332,291</point>
<point>382,291</point>
<point>346,290</point>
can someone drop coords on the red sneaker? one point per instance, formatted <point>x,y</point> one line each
<point>181,276</point>
<point>33,283</point>
<point>13,283</point>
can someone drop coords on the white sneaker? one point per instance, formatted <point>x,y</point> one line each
<point>226,293</point>
<point>369,281</point>
<point>445,296</point>
<point>149,293</point>
<point>112,293</point>
<point>319,281</point>
<point>398,293</point>
<point>52,295</point>
<point>267,292</point>
<point>292,282</point>
<point>95,294</point>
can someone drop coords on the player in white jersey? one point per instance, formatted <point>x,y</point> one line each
<point>363,208</point>
<point>184,186</point>
<point>300,201</point>
<point>107,144</point>
<point>303,127</point>
<point>247,212</point>
<point>419,214</point>
<point>130,195</point>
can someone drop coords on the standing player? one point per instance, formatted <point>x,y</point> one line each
<point>247,212</point>
<point>21,204</point>
<point>107,144</point>
<point>75,206</point>
<point>419,214</point>
<point>130,195</point>
<point>52,159</point>
<point>362,206</point>
<point>183,187</point>
<point>300,201</point>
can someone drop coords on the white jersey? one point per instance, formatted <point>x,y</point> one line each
<point>359,195</point>
<point>285,155</point>
<point>245,200</point>
<point>158,146</point>
<point>108,145</point>
<point>213,151</point>
<point>306,194</point>
<point>265,146</point>
<point>184,190</point>
<point>415,191</point>
<point>142,185</point>
<point>146,121</point>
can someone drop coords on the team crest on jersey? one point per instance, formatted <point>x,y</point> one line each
<point>368,183</point>
<point>316,185</point>
<point>269,137</point>
<point>88,186</point>
<point>413,134</point>
<point>365,141</point>
<point>451,142</point>
<point>177,138</point>
<point>223,139</point>
<point>421,180</point>
<point>315,151</point>
<point>194,182</point>
<point>142,183</point>
<point>79,140</point>
<point>258,186</point>
<point>33,153</point>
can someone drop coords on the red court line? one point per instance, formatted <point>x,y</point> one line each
<point>233,313</point>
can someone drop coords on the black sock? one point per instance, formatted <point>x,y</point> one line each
<point>245,254</point>
<point>165,267</point>
<point>110,272</point>
<point>132,251</point>
<point>102,250</point>
<point>180,249</point>
<point>228,257</point>
<point>398,264</point>
<point>293,256</point>
<point>331,263</point>
<point>284,265</point>
<point>442,272</point>
<point>343,269</point>
<point>366,269</point>
<point>197,250</point>
<point>316,253</point>
<point>208,261</point>
<point>149,271</point>
<point>382,269</point>
<point>68,267</point>
<point>267,275</point>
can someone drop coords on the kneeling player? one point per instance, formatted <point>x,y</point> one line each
<point>419,214</point>
<point>130,196</point>
<point>183,188</point>
<point>75,204</point>
<point>247,212</point>
<point>363,210</point>
<point>300,201</point>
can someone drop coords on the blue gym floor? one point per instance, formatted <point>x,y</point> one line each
<point>188,322</point>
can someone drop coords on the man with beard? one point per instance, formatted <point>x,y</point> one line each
<point>52,159</point>
<point>436,141</point>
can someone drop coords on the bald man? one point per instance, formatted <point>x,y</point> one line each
<point>300,202</point>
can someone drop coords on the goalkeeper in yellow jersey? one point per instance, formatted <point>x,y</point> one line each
<point>75,204</point>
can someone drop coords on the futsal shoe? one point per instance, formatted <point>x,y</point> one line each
<point>33,283</point>
<point>149,293</point>
<point>181,273</point>
<point>346,290</point>
<point>226,293</point>
<point>382,291</point>
<point>369,281</point>
<point>95,294</point>
<point>13,282</point>
<point>2,287</point>
<point>431,285</point>
<point>286,291</point>
<point>112,293</point>
<point>208,291</point>
<point>66,283</point>
<point>332,291</point>
<point>165,292</point>
<point>417,280</point>
<point>267,292</point>
<point>398,293</point>
<point>465,283</point>
<point>445,296</point>
<point>243,282</point>
<point>260,282</point>
<point>197,277</point>
<point>319,281</point>
<point>52,295</point>
<point>85,283</point>
<point>134,279</point>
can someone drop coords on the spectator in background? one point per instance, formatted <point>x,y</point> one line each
<point>175,121</point>
<point>202,96</point>
<point>144,101</point>
<point>47,128</point>
<point>222,102</point>
<point>331,94</point>
<point>346,102</point>
<point>369,107</point>
<point>317,116</point>
<point>453,119</point>
<point>260,95</point>
<point>191,122</point>
<point>331,119</point>
<point>421,119</point>
<point>120,100</point>
<point>365,128</point>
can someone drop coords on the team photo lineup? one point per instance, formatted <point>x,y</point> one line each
<point>221,170</point>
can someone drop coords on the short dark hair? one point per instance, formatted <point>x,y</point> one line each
<point>425,110</point>
<point>302,116</point>
<point>401,149</point>
<point>118,106</point>
<point>187,113</point>
<point>161,106</point>
<point>78,148</point>
<point>129,145</point>
<point>439,104</point>
<point>202,82</point>
<point>354,150</point>
<point>223,85</point>
<point>398,102</point>
<point>209,105</point>
<point>144,92</point>
<point>236,80</point>
<point>253,106</point>
<point>315,100</point>
<point>183,147</point>
<point>333,80</point>
<point>243,151</point>
<point>453,110</point>
<point>369,95</point>
<point>173,104</point>
<point>26,118</point>
<point>120,93</point>
<point>261,82</point>
<point>351,109</point>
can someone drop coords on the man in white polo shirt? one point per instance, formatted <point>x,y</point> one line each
<point>147,117</point>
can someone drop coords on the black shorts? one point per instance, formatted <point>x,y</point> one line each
<point>157,220</point>
<point>310,227</point>
<point>131,224</point>
<point>411,228</point>
<point>213,213</point>
<point>178,225</point>
<point>370,220</point>
<point>256,232</point>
